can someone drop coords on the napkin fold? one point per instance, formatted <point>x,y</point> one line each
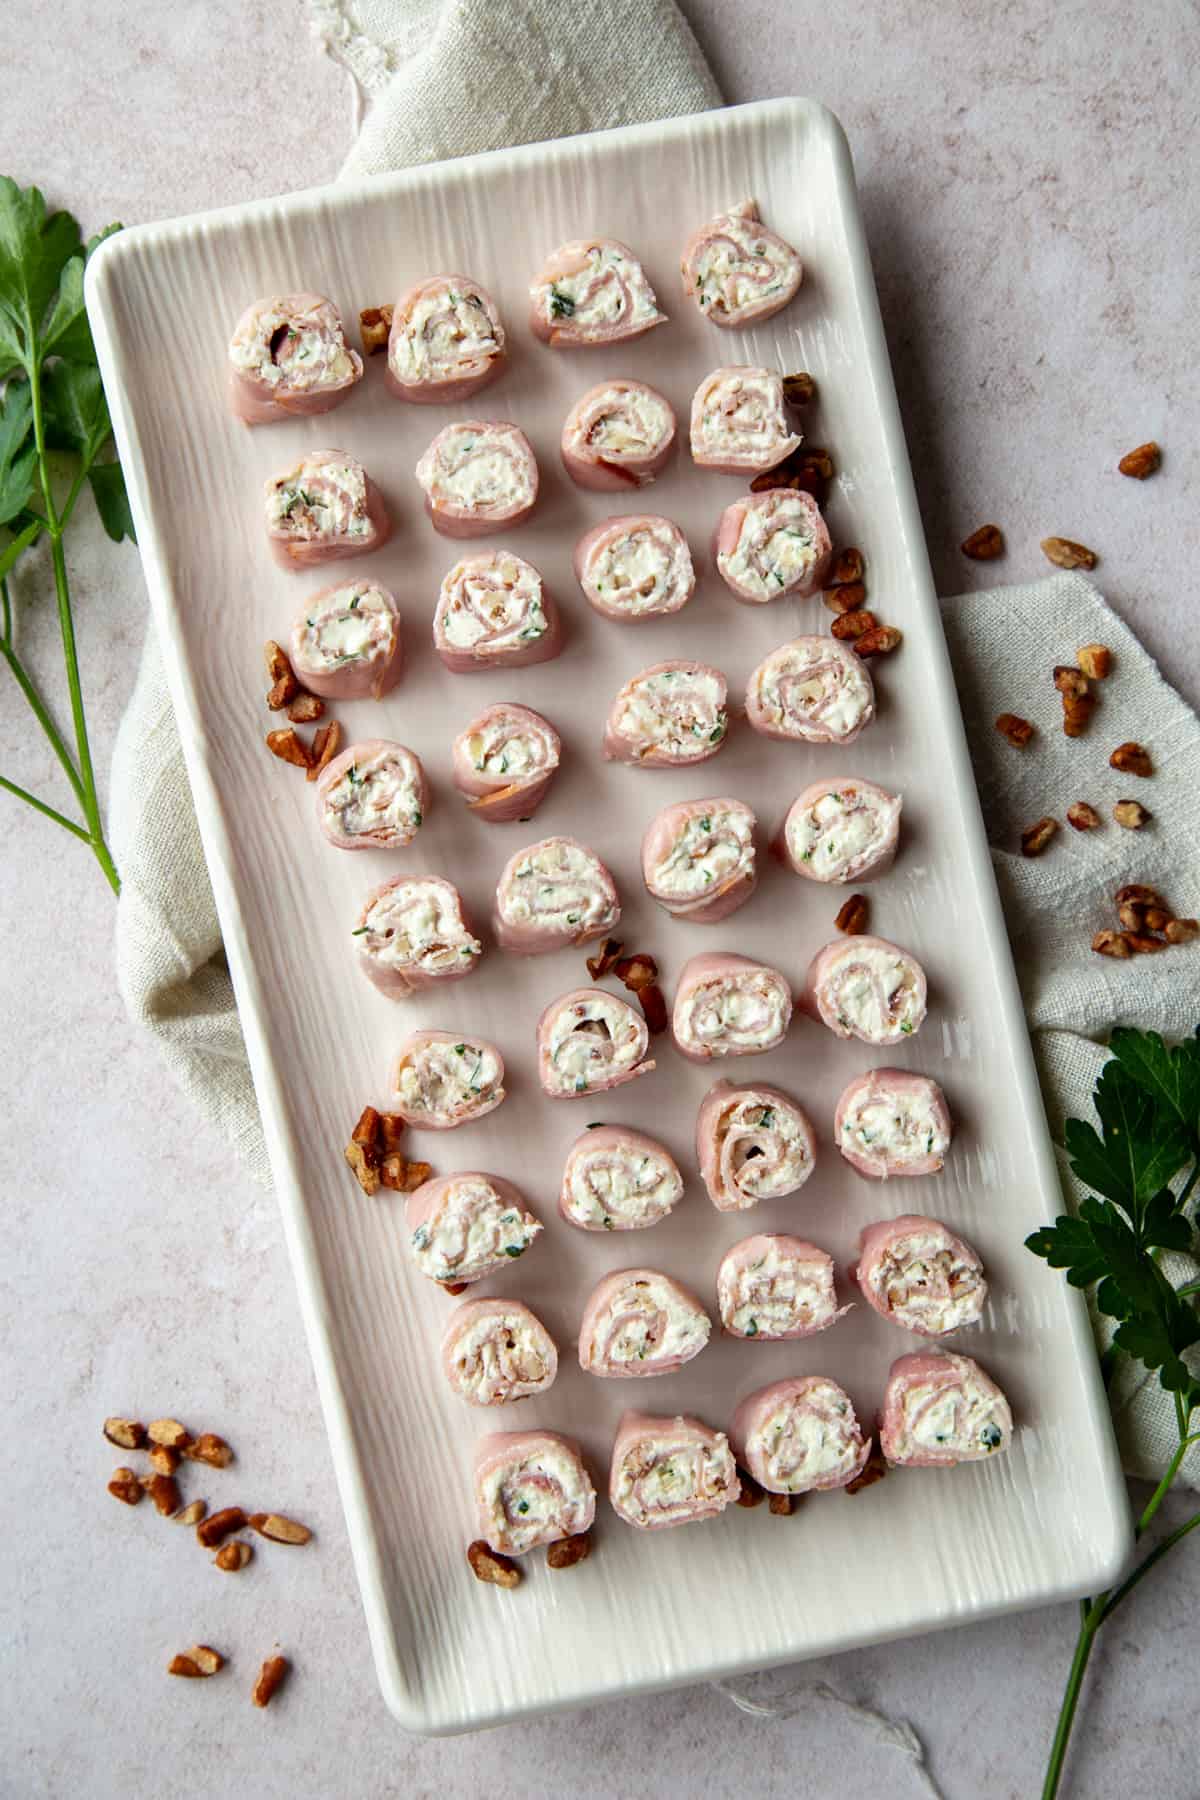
<point>443,78</point>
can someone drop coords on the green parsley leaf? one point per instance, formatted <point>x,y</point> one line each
<point>1143,1146</point>
<point>35,248</point>
<point>76,410</point>
<point>18,456</point>
<point>112,502</point>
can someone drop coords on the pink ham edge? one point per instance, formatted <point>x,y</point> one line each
<point>259,402</point>
<point>723,387</point>
<point>594,1143</point>
<point>786,501</point>
<point>595,542</point>
<point>878,1084</point>
<point>448,390</point>
<point>481,658</point>
<point>361,755</point>
<point>435,1119</point>
<point>805,1392</point>
<point>531,937</point>
<point>571,259</point>
<point>742,1255</point>
<point>510,1450</point>
<point>497,1314</point>
<point>729,894</point>
<point>364,677</point>
<point>452,517</point>
<point>715,1157</point>
<point>293,552</point>
<point>947,1371</point>
<point>619,747</point>
<point>865,867</point>
<point>713,969</point>
<point>817,997</point>
<point>495,799</point>
<point>646,1435</point>
<point>807,723</point>
<point>396,983</point>
<point>423,1203</point>
<point>596,1359</point>
<point>590,467</point>
<point>875,1242</point>
<point>752,313</point>
<point>622,1012</point>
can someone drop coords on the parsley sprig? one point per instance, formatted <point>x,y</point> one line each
<point>1142,1165</point>
<point>55,438</point>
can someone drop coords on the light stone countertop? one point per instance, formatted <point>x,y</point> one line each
<point>1028,181</point>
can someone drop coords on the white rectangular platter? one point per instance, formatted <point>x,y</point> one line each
<point>918,1550</point>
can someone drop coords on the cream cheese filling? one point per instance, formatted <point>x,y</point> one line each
<point>711,851</point>
<point>747,1010</point>
<point>775,1293</point>
<point>843,827</point>
<point>477,469</point>
<point>814,684</point>
<point>739,413</point>
<point>321,500</point>
<point>312,353</point>
<point>642,569</point>
<point>447,1078</point>
<point>874,993</point>
<point>730,267</point>
<point>806,1441</point>
<point>421,924</point>
<point>560,886</point>
<point>351,624</point>
<point>526,1502</point>
<point>647,1320</point>
<point>447,332</point>
<point>508,607</point>
<point>962,1417</point>
<point>500,1357</point>
<point>609,289</point>
<point>923,1284</point>
<point>626,422</point>
<point>614,1188</point>
<point>470,1232</point>
<point>380,794</point>
<point>775,548</point>
<point>762,1148</point>
<point>597,1036</point>
<point>675,710</point>
<point>901,1126</point>
<point>675,1479</point>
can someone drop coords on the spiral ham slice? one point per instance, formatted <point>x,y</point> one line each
<point>505,761</point>
<point>588,1041</point>
<point>531,1488</point>
<point>618,436</point>
<point>443,1079</point>
<point>698,859</point>
<point>635,567</point>
<point>772,1287</point>
<point>813,689</point>
<point>592,291</point>
<point>463,1228</point>
<point>670,1471</point>
<point>374,796</point>
<point>670,715</point>
<point>478,476</point>
<point>638,1323</point>
<point>553,895</point>
<point>739,422</point>
<point>891,1122</point>
<point>412,933</point>
<point>494,611</point>
<point>772,545</point>
<point>616,1179</point>
<point>346,644</point>
<point>497,1351</point>
<point>727,1005</point>
<point>325,507</point>
<point>840,830</point>
<point>940,1409</point>
<point>752,1143</point>
<point>917,1274</point>
<point>799,1436</point>
<point>866,988</point>
<point>288,358</point>
<point>737,271</point>
<point>446,341</point>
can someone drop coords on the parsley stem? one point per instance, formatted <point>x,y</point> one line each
<point>38,706</point>
<point>1113,1600</point>
<point>41,806</point>
<point>1159,1495</point>
<point>1089,1625</point>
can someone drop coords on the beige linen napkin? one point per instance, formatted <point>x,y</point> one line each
<point>444,77</point>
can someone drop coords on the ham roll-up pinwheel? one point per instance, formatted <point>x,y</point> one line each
<point>866,988</point>
<point>504,762</point>
<point>698,859</point>
<point>752,1143</point>
<point>464,1228</point>
<point>771,546</point>
<point>635,567</point>
<point>412,933</point>
<point>478,476</point>
<point>840,830</point>
<point>590,1040</point>
<point>728,1005</point>
<point>496,1351</point>
<point>737,272</point>
<point>890,1122</point>
<point>739,423</point>
<point>799,1436</point>
<point>324,508</point>
<point>494,611</point>
<point>553,895</point>
<point>374,796</point>
<point>531,1489</point>
<point>917,1274</point>
<point>288,357</point>
<point>445,343</point>
<point>815,690</point>
<point>618,436</point>
<point>442,1080</point>
<point>616,1179</point>
<point>591,292</point>
<point>639,1323</point>
<point>940,1409</point>
<point>346,643</point>
<point>670,1471</point>
<point>771,1287</point>
<point>670,715</point>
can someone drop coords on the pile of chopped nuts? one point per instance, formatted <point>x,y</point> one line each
<point>1148,924</point>
<point>375,325</point>
<point>302,708</point>
<point>375,1154</point>
<point>491,1566</point>
<point>845,595</point>
<point>639,973</point>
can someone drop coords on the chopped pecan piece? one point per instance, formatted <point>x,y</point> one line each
<point>569,1551</point>
<point>375,324</point>
<point>220,1525</point>
<point>192,1513</point>
<point>1142,944</point>
<point>854,624</point>
<point>164,1458</point>
<point>1095,660</point>
<point>799,390</point>
<point>185,1665</point>
<point>289,748</point>
<point>169,1432</point>
<point>164,1491</point>
<point>1017,730</point>
<point>126,1434</point>
<point>1156,918</point>
<point>211,1449</point>
<point>233,1556</point>
<point>1064,553</point>
<point>488,1565</point>
<point>1077,713</point>
<point>365,1163</point>
<point>402,1176</point>
<point>853,916</point>
<point>284,685</point>
<point>1035,839</point>
<point>984,544</point>
<point>654,1008</point>
<point>279,1529</point>
<point>782,1505</point>
<point>1137,890</point>
<point>305,708</point>
<point>1110,943</point>
<point>124,1485</point>
<point>1132,915</point>
<point>637,972</point>
<point>324,748</point>
<point>1131,814</point>
<point>749,1492</point>
<point>873,1470</point>
<point>368,1128</point>
<point>1141,462</point>
<point>605,959</point>
<point>1181,931</point>
<point>808,470</point>
<point>454,1288</point>
<point>199,1661</point>
<point>1131,759</point>
<point>392,1130</point>
<point>847,566</point>
<point>880,642</point>
<point>845,596</point>
<point>270,1679</point>
<point>1071,682</point>
<point>1082,816</point>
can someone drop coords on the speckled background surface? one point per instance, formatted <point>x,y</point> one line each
<point>1029,190</point>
